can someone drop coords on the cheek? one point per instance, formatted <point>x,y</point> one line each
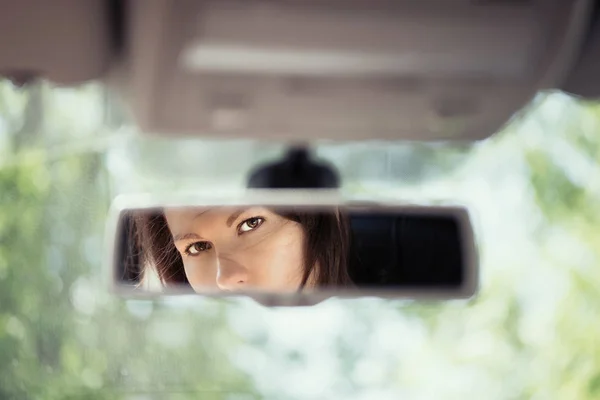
<point>200,275</point>
<point>277,262</point>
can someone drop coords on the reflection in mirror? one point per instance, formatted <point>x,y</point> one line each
<point>282,249</point>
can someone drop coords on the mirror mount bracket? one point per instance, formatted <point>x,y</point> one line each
<point>297,170</point>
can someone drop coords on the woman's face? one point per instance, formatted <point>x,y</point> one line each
<point>238,248</point>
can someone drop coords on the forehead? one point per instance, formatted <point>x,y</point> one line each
<point>180,215</point>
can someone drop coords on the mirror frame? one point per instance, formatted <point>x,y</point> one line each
<point>280,197</point>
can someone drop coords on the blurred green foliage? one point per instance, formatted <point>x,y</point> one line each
<point>64,336</point>
<point>61,335</point>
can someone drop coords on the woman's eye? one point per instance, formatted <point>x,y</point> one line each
<point>197,248</point>
<point>250,224</point>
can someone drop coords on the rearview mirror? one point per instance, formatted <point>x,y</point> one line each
<point>291,245</point>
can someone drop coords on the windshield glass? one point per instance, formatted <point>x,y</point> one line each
<point>533,189</point>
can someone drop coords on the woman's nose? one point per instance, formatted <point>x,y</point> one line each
<point>231,275</point>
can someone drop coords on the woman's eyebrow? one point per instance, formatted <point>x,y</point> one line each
<point>185,236</point>
<point>234,215</point>
<point>230,220</point>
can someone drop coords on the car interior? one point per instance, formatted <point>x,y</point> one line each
<point>361,198</point>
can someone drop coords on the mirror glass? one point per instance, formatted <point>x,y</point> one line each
<point>284,249</point>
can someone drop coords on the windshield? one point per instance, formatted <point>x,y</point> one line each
<point>533,189</point>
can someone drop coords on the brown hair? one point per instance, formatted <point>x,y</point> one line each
<point>326,246</point>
